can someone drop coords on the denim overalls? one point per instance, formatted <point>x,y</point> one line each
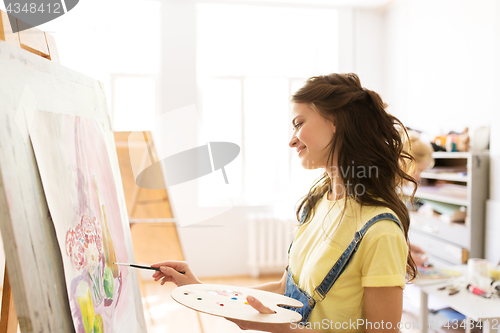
<point>293,291</point>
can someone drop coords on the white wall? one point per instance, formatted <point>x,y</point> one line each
<point>219,246</point>
<point>395,59</point>
<point>369,44</point>
<point>442,73</point>
<point>495,124</point>
<point>361,45</point>
<point>492,246</point>
<point>442,53</point>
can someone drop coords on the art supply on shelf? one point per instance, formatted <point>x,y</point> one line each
<point>478,273</point>
<point>445,212</point>
<point>477,291</point>
<point>477,266</point>
<point>431,273</point>
<point>450,314</point>
<point>495,285</point>
<point>455,189</point>
<point>495,272</point>
<point>452,289</point>
<point>231,302</point>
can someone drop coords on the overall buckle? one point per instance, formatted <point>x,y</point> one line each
<point>311,302</point>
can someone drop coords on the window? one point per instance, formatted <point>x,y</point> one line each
<point>250,59</point>
<point>133,100</point>
<point>115,50</point>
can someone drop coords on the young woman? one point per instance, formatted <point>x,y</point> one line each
<point>349,261</point>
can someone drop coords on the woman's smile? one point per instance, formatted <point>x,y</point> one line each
<point>312,134</point>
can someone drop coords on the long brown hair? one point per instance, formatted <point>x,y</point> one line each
<point>366,138</point>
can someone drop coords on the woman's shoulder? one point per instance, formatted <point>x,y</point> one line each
<point>385,220</point>
<point>385,236</point>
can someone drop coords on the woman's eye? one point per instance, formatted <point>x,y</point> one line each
<point>297,126</point>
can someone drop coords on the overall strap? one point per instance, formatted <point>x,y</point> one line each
<point>346,257</point>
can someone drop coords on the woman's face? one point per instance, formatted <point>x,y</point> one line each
<point>311,136</point>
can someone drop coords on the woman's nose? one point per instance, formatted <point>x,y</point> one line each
<point>293,141</point>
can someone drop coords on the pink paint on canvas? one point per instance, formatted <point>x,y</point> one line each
<point>81,193</point>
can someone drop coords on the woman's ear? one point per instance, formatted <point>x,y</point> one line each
<point>333,122</point>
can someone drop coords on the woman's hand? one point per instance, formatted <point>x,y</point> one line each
<point>170,272</point>
<point>265,327</point>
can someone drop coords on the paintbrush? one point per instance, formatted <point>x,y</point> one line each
<point>141,267</point>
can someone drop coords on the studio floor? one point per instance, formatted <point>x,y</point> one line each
<point>167,316</point>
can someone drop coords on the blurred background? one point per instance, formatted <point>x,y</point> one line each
<point>434,62</point>
<point>236,63</point>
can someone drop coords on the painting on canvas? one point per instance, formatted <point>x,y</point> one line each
<point>79,183</point>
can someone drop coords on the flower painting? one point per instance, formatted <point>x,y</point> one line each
<point>89,216</point>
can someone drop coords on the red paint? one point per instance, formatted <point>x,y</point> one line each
<point>476,290</point>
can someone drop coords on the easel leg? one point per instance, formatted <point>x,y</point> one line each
<point>137,189</point>
<point>199,321</point>
<point>8,322</point>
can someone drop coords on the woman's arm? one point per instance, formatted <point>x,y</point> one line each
<point>383,305</point>
<point>274,287</point>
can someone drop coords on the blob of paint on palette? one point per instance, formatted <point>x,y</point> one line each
<point>224,293</point>
<point>227,293</point>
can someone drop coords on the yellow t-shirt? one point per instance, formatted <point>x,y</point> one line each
<point>380,261</point>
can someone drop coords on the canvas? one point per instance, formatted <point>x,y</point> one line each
<point>34,237</point>
<point>81,193</point>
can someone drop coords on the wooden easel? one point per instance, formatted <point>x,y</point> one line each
<point>42,44</point>
<point>37,42</point>
<point>150,211</point>
<point>152,223</point>
<point>150,214</point>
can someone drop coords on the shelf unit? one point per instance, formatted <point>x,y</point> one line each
<point>459,179</point>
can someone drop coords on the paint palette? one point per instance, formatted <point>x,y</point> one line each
<point>230,302</point>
